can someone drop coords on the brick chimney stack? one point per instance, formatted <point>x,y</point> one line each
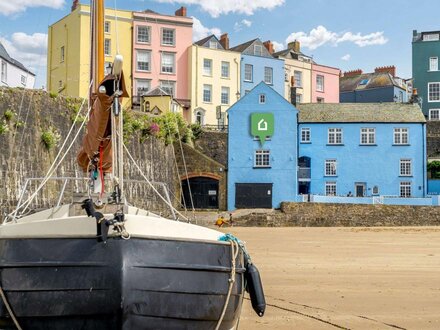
<point>75,4</point>
<point>352,73</point>
<point>295,46</point>
<point>390,69</point>
<point>181,11</point>
<point>269,46</point>
<point>224,41</point>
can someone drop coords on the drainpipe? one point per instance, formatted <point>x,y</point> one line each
<point>424,161</point>
<point>238,79</point>
<point>50,64</point>
<point>197,77</point>
<point>66,51</point>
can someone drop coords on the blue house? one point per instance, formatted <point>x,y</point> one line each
<point>362,150</point>
<point>258,64</point>
<point>380,86</point>
<point>262,150</point>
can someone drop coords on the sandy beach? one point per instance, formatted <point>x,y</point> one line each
<point>345,278</point>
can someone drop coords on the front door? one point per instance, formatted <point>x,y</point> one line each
<point>360,189</point>
<point>253,195</point>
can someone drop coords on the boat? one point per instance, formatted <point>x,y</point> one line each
<point>101,263</point>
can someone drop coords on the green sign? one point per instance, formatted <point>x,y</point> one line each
<point>262,125</point>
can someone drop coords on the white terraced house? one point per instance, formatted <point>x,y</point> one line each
<point>13,73</point>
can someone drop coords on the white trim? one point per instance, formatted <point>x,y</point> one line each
<point>333,165</point>
<point>261,153</point>
<point>368,143</point>
<point>149,35</point>
<point>309,135</point>
<point>252,72</point>
<point>432,83</point>
<point>161,37</point>
<point>438,114</point>
<point>405,162</point>
<point>433,67</point>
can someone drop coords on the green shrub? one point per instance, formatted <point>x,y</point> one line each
<point>197,130</point>
<point>53,95</point>
<point>4,127</point>
<point>434,168</point>
<point>9,115</point>
<point>50,138</point>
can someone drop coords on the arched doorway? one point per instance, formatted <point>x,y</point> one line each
<point>204,192</point>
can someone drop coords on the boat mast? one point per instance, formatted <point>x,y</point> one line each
<point>97,46</point>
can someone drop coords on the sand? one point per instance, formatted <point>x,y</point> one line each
<point>346,278</point>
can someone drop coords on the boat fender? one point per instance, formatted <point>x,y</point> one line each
<point>255,289</point>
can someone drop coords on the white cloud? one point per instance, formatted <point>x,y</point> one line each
<point>238,26</point>
<point>8,7</point>
<point>277,46</point>
<point>246,22</point>
<point>219,7</point>
<point>346,57</point>
<point>320,36</point>
<point>200,31</point>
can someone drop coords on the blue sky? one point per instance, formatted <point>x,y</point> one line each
<point>347,34</point>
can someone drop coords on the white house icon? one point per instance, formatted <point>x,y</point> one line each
<point>262,125</point>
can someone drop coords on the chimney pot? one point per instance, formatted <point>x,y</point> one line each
<point>390,69</point>
<point>224,41</point>
<point>181,11</point>
<point>295,46</point>
<point>352,73</point>
<point>269,46</point>
<point>75,4</point>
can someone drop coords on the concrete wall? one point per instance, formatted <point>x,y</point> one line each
<point>214,145</point>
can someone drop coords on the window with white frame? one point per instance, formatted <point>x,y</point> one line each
<point>62,54</point>
<point>23,80</point>
<point>258,50</point>
<point>320,83</point>
<point>297,75</point>
<point>200,117</point>
<point>168,37</point>
<point>330,188</point>
<point>262,98</point>
<point>207,67</point>
<point>168,87</point>
<point>107,27</point>
<point>4,72</point>
<point>298,98</point>
<point>107,47</point>
<point>368,135</point>
<point>434,114</point>
<point>431,37</point>
<point>268,75</point>
<point>225,95</point>
<point>168,62</point>
<point>405,189</point>
<point>405,167</point>
<point>143,60</point>
<point>142,86</point>
<point>433,64</point>
<point>213,44</point>
<point>401,136</point>
<point>434,92</point>
<point>248,72</point>
<point>262,158</point>
<point>305,135</point>
<point>225,69</point>
<point>334,136</point>
<point>330,167</point>
<point>207,93</point>
<point>143,34</point>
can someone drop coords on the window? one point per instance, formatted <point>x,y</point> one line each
<point>433,92</point>
<point>258,50</point>
<point>213,44</point>
<point>168,37</point>
<point>225,69</point>
<point>305,135</point>
<point>248,72</point>
<point>143,60</point>
<point>142,86</point>
<point>199,117</point>
<point>375,190</point>
<point>268,75</point>
<point>298,98</point>
<point>225,95</point>
<point>4,75</point>
<point>262,98</point>
<point>335,136</point>
<point>60,84</point>
<point>330,188</point>
<point>433,64</point>
<point>405,167</point>
<point>401,136</point>
<point>207,93</point>
<point>405,189</point>
<point>431,37</point>
<point>62,54</point>
<point>207,67</point>
<point>364,82</point>
<point>143,34</point>
<point>167,65</point>
<point>330,167</point>
<point>320,100</point>
<point>106,27</point>
<point>320,83</point>
<point>262,158</point>
<point>168,87</point>
<point>368,135</point>
<point>23,80</point>
<point>298,78</point>
<point>107,47</point>
<point>434,114</point>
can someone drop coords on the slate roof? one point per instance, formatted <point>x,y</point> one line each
<point>241,48</point>
<point>203,41</point>
<point>289,53</point>
<point>360,113</point>
<point>4,55</point>
<point>375,80</point>
<point>157,92</point>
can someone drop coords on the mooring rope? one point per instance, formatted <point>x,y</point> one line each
<point>8,307</point>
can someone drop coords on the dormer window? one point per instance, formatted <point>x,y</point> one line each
<point>212,44</point>
<point>262,98</point>
<point>258,50</point>
<point>363,82</point>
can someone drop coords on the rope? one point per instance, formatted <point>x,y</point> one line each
<point>234,253</point>
<point>8,307</point>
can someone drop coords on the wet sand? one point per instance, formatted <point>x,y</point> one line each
<point>345,278</point>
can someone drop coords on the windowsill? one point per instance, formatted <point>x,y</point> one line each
<point>304,142</point>
<point>330,176</point>
<point>137,70</point>
<point>174,46</point>
<point>269,84</point>
<point>207,75</point>
<point>207,102</point>
<point>432,71</point>
<point>226,104</point>
<point>405,176</point>
<point>435,101</point>
<point>335,144</point>
<point>400,144</point>
<point>298,87</point>
<point>226,78</point>
<point>320,91</point>
<point>248,81</point>
<point>143,42</point>
<point>169,73</point>
<point>368,145</point>
<point>261,167</point>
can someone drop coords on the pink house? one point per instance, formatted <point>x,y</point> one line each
<point>160,54</point>
<point>325,84</point>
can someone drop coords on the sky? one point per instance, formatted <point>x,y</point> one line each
<point>347,34</point>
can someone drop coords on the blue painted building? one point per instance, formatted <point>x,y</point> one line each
<point>262,150</point>
<point>257,65</point>
<point>362,150</point>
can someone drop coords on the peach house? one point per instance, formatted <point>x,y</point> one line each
<point>160,54</point>
<point>325,84</point>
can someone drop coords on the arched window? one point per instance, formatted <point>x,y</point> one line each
<point>147,106</point>
<point>199,117</point>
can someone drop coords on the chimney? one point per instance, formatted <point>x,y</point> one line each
<point>390,69</point>
<point>352,73</point>
<point>224,41</point>
<point>75,4</point>
<point>295,46</point>
<point>181,11</point>
<point>269,46</point>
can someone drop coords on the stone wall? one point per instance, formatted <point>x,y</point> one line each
<point>433,138</point>
<point>214,145</point>
<point>341,215</point>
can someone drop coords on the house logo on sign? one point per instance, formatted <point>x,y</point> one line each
<point>262,126</point>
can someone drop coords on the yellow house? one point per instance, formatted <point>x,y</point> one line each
<point>157,102</point>
<point>214,80</point>
<point>68,56</point>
